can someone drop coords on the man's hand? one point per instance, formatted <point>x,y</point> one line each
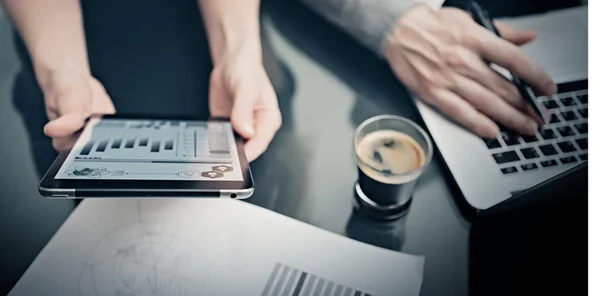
<point>240,89</point>
<point>70,99</point>
<point>443,57</point>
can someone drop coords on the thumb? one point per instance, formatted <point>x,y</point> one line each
<point>516,36</point>
<point>73,109</point>
<point>242,115</point>
<point>65,125</point>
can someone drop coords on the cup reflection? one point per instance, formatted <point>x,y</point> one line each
<point>378,230</point>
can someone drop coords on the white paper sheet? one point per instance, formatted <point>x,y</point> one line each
<point>179,247</point>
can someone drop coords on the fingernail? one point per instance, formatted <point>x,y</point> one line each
<point>546,115</point>
<point>532,127</point>
<point>249,129</point>
<point>492,133</point>
<point>552,87</point>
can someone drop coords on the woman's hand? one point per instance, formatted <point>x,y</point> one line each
<point>241,90</point>
<point>70,99</point>
<point>239,86</point>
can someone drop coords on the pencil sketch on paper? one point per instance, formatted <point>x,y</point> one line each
<point>145,258</point>
<point>150,264</point>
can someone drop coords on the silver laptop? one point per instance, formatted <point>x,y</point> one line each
<point>491,171</point>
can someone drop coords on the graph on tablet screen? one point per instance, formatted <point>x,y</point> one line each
<point>153,150</point>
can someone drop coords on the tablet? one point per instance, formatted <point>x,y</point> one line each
<point>124,156</point>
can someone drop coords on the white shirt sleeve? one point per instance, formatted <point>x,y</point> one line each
<point>369,21</point>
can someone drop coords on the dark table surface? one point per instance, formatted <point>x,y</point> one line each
<point>309,171</point>
<point>327,85</point>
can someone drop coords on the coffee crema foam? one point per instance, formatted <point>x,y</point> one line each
<point>388,155</point>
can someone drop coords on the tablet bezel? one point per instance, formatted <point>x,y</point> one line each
<point>49,186</point>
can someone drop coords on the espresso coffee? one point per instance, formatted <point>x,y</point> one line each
<point>388,155</point>
<point>388,165</point>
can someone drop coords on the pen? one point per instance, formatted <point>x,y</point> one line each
<point>482,17</point>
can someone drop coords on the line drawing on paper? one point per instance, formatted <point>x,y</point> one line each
<point>134,260</point>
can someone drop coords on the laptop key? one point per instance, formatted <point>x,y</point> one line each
<point>551,104</point>
<point>492,143</point>
<point>530,139</point>
<point>566,147</point>
<point>582,128</point>
<point>583,157</point>
<point>572,86</point>
<point>548,134</point>
<point>529,153</point>
<point>554,118</point>
<point>569,115</point>
<point>582,143</point>
<point>548,150</point>
<point>565,131</point>
<point>529,166</point>
<point>583,112</point>
<point>583,99</point>
<point>568,101</point>
<point>569,159</point>
<point>505,157</point>
<point>510,138</point>
<point>549,163</point>
<point>509,170</point>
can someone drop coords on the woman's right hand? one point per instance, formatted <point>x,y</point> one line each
<point>70,99</point>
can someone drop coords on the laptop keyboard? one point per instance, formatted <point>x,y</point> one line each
<point>564,140</point>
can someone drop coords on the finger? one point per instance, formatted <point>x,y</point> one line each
<point>267,124</point>
<point>509,56</point>
<point>64,143</point>
<point>73,106</point>
<point>473,67</point>
<point>103,105</point>
<point>516,36</point>
<point>495,107</point>
<point>470,65</point>
<point>101,102</point>
<point>463,113</point>
<point>52,114</point>
<point>65,125</point>
<point>242,112</point>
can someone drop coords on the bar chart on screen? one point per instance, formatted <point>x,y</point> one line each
<point>151,148</point>
<point>151,141</point>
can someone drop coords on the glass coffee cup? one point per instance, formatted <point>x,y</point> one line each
<point>391,154</point>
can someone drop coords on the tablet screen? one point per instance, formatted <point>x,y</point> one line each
<point>124,149</point>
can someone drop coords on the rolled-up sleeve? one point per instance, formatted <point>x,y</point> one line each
<point>369,21</point>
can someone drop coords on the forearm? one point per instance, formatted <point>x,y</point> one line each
<point>369,21</point>
<point>53,33</point>
<point>232,25</point>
